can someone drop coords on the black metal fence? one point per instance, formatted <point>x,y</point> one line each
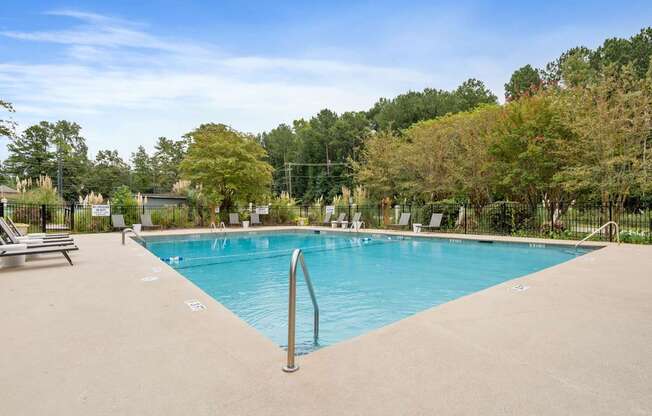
<point>499,218</point>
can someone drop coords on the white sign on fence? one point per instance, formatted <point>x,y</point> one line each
<point>100,210</point>
<point>330,209</point>
<point>262,210</point>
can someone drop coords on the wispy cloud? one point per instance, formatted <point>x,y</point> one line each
<point>159,86</point>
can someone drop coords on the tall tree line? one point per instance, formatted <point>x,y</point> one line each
<point>575,129</point>
<point>325,148</point>
<point>59,150</point>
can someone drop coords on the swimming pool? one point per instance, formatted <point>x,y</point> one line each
<point>362,281</point>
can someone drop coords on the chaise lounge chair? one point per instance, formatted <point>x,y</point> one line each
<point>8,237</point>
<point>341,219</point>
<point>118,221</point>
<point>255,219</point>
<point>10,250</point>
<point>403,222</point>
<point>146,221</point>
<point>435,222</point>
<point>17,232</point>
<point>327,219</point>
<point>234,218</point>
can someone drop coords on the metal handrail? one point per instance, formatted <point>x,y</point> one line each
<point>352,227</point>
<point>126,230</point>
<point>221,226</point>
<point>297,257</point>
<point>600,229</point>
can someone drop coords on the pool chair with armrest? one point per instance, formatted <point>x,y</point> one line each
<point>435,222</point>
<point>17,232</point>
<point>255,219</point>
<point>403,222</point>
<point>234,218</point>
<point>7,236</point>
<point>118,221</point>
<point>11,250</point>
<point>327,219</point>
<point>357,218</point>
<point>341,219</point>
<point>146,221</point>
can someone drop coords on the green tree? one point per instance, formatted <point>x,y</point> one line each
<point>449,157</point>
<point>142,177</point>
<point>42,148</point>
<point>7,126</point>
<point>108,172</point>
<point>229,166</point>
<point>70,158</point>
<point>30,154</point>
<point>379,167</point>
<point>328,144</point>
<point>282,146</point>
<point>406,109</point>
<point>167,157</point>
<point>611,117</point>
<point>525,80</point>
<point>528,145</point>
<point>122,197</point>
<point>472,93</point>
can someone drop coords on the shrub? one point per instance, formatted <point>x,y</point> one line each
<point>509,218</point>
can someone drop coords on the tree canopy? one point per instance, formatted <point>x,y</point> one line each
<point>227,165</point>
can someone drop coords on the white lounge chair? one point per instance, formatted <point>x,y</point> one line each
<point>327,219</point>
<point>255,219</point>
<point>11,250</point>
<point>234,218</point>
<point>17,232</point>
<point>341,219</point>
<point>8,237</point>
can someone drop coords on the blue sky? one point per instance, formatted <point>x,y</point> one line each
<point>129,72</point>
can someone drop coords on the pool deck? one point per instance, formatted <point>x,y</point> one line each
<point>95,339</point>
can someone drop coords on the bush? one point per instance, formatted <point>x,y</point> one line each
<point>510,218</point>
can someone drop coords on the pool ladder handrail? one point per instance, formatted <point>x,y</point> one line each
<point>608,223</point>
<point>221,226</point>
<point>297,257</point>
<point>352,226</point>
<point>138,236</point>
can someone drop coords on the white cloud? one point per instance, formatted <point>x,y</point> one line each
<point>126,86</point>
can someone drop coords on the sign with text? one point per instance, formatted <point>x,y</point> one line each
<point>100,210</point>
<point>262,210</point>
<point>330,209</point>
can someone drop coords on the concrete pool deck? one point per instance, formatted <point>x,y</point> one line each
<point>95,339</point>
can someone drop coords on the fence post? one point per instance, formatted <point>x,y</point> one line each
<point>610,219</point>
<point>72,217</point>
<point>380,214</point>
<point>43,218</point>
<point>466,227</point>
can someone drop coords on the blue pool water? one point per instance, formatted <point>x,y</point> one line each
<point>362,281</point>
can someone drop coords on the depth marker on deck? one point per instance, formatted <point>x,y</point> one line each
<point>195,305</point>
